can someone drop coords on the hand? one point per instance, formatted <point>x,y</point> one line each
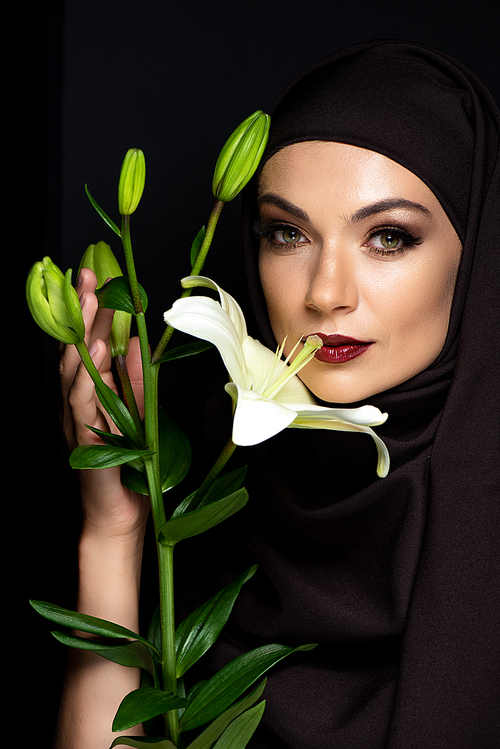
<point>109,508</point>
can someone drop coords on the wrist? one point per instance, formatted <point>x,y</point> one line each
<point>110,512</point>
<point>111,544</point>
<point>109,577</point>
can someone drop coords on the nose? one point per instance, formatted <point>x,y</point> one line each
<point>333,285</point>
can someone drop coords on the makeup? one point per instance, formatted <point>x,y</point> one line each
<point>338,349</point>
<point>373,267</point>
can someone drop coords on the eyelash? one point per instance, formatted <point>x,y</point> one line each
<point>409,241</point>
<point>266,231</point>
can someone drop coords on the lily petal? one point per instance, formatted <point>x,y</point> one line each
<point>261,361</point>
<point>204,318</point>
<point>365,415</point>
<point>309,422</point>
<point>228,303</point>
<point>256,418</point>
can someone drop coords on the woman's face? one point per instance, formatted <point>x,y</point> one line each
<point>357,249</point>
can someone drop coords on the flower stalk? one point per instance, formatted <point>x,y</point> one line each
<point>196,268</point>
<point>128,393</point>
<point>152,467</point>
<point>151,426</point>
<point>217,467</point>
<point>129,261</point>
<point>236,165</point>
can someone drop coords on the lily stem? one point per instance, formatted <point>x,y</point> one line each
<point>128,393</point>
<point>217,467</point>
<point>152,465</point>
<point>129,260</point>
<point>165,553</point>
<point>195,271</point>
<point>209,235</point>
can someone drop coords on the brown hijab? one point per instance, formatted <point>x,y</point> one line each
<point>397,579</point>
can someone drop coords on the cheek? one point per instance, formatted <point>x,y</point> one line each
<point>280,290</point>
<point>419,312</point>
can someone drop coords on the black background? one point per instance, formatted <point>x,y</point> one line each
<point>83,82</point>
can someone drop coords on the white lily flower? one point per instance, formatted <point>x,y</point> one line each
<point>268,395</point>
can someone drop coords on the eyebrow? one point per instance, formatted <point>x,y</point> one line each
<point>293,210</point>
<point>359,215</point>
<point>387,205</point>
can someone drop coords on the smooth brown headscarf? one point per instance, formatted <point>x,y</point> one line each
<point>397,579</point>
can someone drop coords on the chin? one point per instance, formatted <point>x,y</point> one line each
<point>333,388</point>
<point>341,395</point>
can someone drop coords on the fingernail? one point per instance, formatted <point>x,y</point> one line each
<point>93,349</point>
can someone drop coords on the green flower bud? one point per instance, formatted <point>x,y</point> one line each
<point>54,303</point>
<point>100,258</point>
<point>240,156</point>
<point>132,179</point>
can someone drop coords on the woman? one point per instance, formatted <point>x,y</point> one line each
<point>376,227</point>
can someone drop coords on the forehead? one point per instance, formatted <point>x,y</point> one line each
<point>328,170</point>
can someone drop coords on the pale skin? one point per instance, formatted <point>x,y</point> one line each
<point>111,543</point>
<point>328,276</point>
<point>322,270</point>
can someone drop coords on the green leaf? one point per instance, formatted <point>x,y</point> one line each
<point>221,487</point>
<point>109,438</point>
<point>85,623</point>
<point>143,743</point>
<point>195,689</point>
<point>118,411</point>
<point>202,519</point>
<point>231,681</point>
<point>117,440</point>
<point>134,480</point>
<point>219,725</point>
<point>224,485</point>
<point>116,294</point>
<point>175,459</point>
<point>198,632</point>
<point>196,246</point>
<point>175,452</point>
<point>104,456</point>
<point>132,654</point>
<point>143,704</point>
<point>103,215</point>
<point>154,629</point>
<point>187,349</point>
<point>240,731</point>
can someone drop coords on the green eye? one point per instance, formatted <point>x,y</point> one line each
<point>291,236</point>
<point>389,241</point>
<point>280,235</point>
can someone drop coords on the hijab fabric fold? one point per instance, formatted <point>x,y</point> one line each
<point>396,579</point>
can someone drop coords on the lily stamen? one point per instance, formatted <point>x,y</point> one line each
<point>311,345</point>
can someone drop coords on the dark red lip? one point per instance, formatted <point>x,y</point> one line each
<point>338,349</point>
<point>338,340</point>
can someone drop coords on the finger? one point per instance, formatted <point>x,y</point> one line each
<point>70,358</point>
<point>81,406</point>
<point>97,327</point>
<point>98,320</point>
<point>134,367</point>
<point>100,330</point>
